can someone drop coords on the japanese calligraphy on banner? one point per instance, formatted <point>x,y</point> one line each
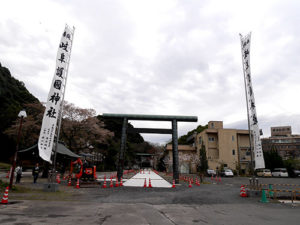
<point>257,152</point>
<point>55,96</point>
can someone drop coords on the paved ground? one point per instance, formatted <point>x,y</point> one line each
<point>210,203</point>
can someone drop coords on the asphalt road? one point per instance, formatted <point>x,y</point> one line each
<point>210,203</point>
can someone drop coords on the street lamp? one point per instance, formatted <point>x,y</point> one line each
<point>22,114</point>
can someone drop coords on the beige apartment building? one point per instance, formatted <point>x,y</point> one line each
<point>227,147</point>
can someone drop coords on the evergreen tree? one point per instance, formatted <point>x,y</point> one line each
<point>183,139</point>
<point>273,159</point>
<point>203,159</point>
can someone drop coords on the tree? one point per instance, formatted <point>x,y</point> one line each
<point>291,165</point>
<point>82,131</point>
<point>115,126</point>
<point>31,125</point>
<point>203,159</point>
<point>134,143</point>
<point>183,139</point>
<point>273,159</point>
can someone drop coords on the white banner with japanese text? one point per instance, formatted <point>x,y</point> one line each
<point>254,128</point>
<point>55,96</point>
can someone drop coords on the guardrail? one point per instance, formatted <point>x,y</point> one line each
<point>274,193</point>
<point>282,184</point>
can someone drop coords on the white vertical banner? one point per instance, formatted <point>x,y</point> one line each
<point>55,96</point>
<point>254,128</point>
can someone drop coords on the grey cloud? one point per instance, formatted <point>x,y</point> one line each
<point>107,72</point>
<point>266,122</point>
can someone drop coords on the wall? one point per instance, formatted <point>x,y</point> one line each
<point>228,143</point>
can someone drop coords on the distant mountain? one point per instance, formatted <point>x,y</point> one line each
<point>183,140</point>
<point>13,97</point>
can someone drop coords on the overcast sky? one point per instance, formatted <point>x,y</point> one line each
<point>161,57</point>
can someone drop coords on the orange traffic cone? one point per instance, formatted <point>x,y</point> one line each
<point>243,191</point>
<point>117,183</point>
<point>121,182</point>
<point>216,178</point>
<point>69,183</point>
<point>5,196</point>
<point>58,178</point>
<point>8,173</point>
<point>212,178</point>
<point>173,185</point>
<point>220,180</point>
<point>104,184</point>
<point>145,183</point>
<point>111,183</point>
<point>190,184</point>
<point>77,184</point>
<point>149,186</point>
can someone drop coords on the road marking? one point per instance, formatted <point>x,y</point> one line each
<point>138,180</point>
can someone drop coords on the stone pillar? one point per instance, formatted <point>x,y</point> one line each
<point>175,151</point>
<point>122,149</point>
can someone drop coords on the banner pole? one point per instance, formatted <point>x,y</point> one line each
<point>250,133</point>
<point>53,174</point>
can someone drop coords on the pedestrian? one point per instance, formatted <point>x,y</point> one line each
<point>35,172</point>
<point>18,174</point>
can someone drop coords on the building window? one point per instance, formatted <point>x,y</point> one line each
<point>232,138</point>
<point>225,165</point>
<point>233,152</point>
<point>212,125</point>
<point>211,139</point>
<point>200,140</point>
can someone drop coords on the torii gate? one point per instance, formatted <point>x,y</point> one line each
<point>173,131</point>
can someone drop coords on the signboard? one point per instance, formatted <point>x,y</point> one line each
<point>56,95</point>
<point>252,116</point>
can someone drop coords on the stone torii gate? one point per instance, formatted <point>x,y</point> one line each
<point>173,131</point>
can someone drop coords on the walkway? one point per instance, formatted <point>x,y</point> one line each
<point>138,180</point>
